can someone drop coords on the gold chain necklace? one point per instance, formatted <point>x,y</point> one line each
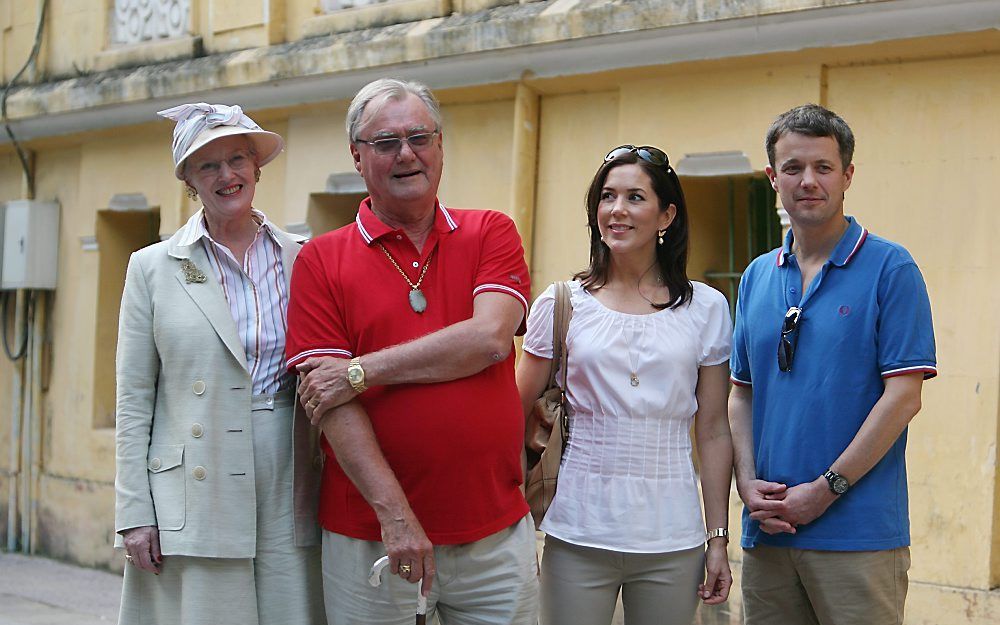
<point>417,300</point>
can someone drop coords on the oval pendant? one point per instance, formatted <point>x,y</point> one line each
<point>634,380</point>
<point>417,301</point>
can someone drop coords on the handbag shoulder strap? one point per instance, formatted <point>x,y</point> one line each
<point>562,311</point>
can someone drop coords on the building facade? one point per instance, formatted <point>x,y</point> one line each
<point>534,94</point>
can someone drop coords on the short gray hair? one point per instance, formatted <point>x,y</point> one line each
<point>384,89</point>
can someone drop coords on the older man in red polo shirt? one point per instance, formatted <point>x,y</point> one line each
<point>401,327</point>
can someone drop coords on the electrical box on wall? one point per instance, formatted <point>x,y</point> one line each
<point>29,244</point>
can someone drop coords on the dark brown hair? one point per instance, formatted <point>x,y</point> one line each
<point>671,257</point>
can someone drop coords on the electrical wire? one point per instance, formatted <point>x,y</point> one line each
<point>29,313</point>
<point>25,165</point>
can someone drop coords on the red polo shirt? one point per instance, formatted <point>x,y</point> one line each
<point>455,447</point>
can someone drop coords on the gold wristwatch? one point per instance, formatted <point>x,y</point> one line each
<point>356,375</point>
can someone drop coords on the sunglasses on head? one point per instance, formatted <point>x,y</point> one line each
<point>653,156</point>
<point>786,345</point>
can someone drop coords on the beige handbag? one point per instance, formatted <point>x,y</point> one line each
<point>547,428</point>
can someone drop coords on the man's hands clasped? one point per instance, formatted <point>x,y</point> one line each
<point>779,508</point>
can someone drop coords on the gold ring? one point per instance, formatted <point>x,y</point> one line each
<point>312,403</point>
<point>404,570</point>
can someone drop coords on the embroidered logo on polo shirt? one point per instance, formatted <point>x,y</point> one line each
<point>844,310</point>
<point>514,279</point>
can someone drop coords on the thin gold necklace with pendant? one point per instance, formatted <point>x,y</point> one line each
<point>417,300</point>
<point>633,377</point>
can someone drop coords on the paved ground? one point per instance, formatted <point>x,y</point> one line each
<point>39,591</point>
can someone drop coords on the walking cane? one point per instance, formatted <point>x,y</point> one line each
<point>375,579</point>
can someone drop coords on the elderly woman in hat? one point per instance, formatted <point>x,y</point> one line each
<point>215,485</point>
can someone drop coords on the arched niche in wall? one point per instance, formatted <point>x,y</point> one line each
<point>128,224</point>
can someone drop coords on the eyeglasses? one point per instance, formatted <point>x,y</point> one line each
<point>653,156</point>
<point>237,161</point>
<point>786,346</point>
<point>393,145</point>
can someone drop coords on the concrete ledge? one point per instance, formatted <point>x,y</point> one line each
<point>374,16</point>
<point>474,6</point>
<point>148,53</point>
<point>550,39</point>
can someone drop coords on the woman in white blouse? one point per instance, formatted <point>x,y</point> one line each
<point>648,354</point>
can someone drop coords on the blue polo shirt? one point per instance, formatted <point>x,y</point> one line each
<point>865,317</point>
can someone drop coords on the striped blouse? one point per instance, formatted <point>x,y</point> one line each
<point>257,295</point>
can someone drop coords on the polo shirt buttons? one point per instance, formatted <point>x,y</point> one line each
<point>197,430</point>
<point>199,473</point>
<point>198,387</point>
<point>399,237</point>
<point>269,401</point>
<point>155,464</point>
<point>416,264</point>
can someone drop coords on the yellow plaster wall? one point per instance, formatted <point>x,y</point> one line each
<point>72,449</point>
<point>10,189</point>
<point>134,163</point>
<point>576,132</point>
<point>241,24</point>
<point>710,111</point>
<point>270,192</point>
<point>75,32</point>
<point>478,140</point>
<point>18,20</point>
<point>925,162</point>
<point>317,147</point>
<point>296,12</point>
<point>233,14</point>
<point>10,175</point>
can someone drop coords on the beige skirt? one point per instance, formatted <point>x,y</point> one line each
<point>283,584</point>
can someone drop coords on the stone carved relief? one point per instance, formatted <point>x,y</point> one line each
<point>136,21</point>
<point>330,6</point>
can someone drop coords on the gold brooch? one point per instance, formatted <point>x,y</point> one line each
<point>191,272</point>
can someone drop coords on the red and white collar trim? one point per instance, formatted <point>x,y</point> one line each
<point>367,236</point>
<point>361,229</point>
<point>784,250</point>
<point>857,245</point>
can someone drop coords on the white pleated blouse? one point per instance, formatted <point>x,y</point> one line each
<point>626,482</point>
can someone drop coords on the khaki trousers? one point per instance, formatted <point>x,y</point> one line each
<point>580,585</point>
<point>784,586</point>
<point>493,581</point>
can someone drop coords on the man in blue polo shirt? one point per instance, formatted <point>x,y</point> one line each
<point>833,341</point>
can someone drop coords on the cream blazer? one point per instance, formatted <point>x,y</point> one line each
<point>184,448</point>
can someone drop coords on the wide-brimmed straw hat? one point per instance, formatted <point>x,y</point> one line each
<point>199,124</point>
